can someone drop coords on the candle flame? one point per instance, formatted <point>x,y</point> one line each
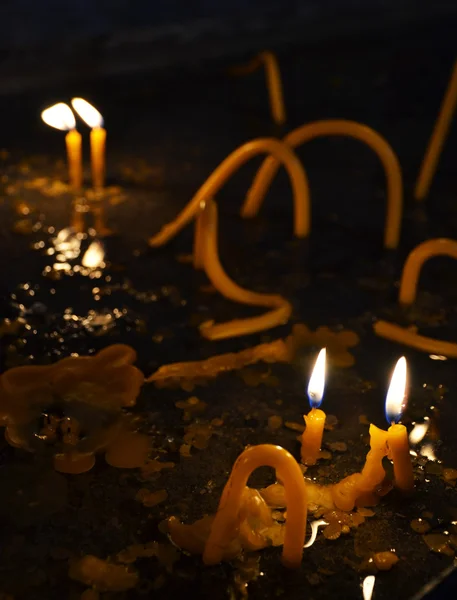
<point>368,587</point>
<point>59,116</point>
<point>396,395</point>
<point>88,113</point>
<point>94,255</point>
<point>316,383</point>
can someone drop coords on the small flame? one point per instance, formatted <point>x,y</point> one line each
<point>88,113</point>
<point>93,256</point>
<point>418,433</point>
<point>59,116</point>
<point>316,383</point>
<point>368,587</point>
<point>396,395</point>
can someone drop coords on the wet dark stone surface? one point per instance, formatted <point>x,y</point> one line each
<point>183,126</point>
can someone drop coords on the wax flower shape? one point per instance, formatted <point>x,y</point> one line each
<point>336,343</point>
<point>72,407</point>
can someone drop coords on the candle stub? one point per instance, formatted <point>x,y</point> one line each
<point>315,419</point>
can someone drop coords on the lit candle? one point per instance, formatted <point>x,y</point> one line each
<point>61,117</point>
<point>315,419</point>
<point>92,117</point>
<point>397,435</point>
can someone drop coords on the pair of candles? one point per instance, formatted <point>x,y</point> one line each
<point>396,436</point>
<point>61,117</point>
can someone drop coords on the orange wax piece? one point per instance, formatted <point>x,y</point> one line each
<point>228,288</point>
<point>225,525</point>
<point>305,133</point>
<point>73,464</point>
<point>227,168</point>
<point>398,443</point>
<point>373,472</point>
<point>393,332</point>
<point>97,156</point>
<point>198,253</point>
<point>435,145</point>
<point>74,157</point>
<point>415,262</point>
<point>312,436</point>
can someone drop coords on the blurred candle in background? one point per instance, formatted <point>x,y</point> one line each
<point>61,117</point>
<point>92,117</point>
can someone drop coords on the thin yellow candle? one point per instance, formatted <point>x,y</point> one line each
<point>397,434</point>
<point>227,168</point>
<point>92,117</point>
<point>409,337</point>
<point>61,117</point>
<point>415,262</point>
<point>228,288</point>
<point>315,419</point>
<point>407,295</point>
<point>199,243</point>
<point>363,133</point>
<point>435,145</point>
<point>273,79</point>
<point>225,525</point>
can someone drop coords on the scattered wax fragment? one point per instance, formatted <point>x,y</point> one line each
<point>338,446</point>
<point>154,466</point>
<point>332,531</point>
<point>191,406</point>
<point>438,542</point>
<point>420,525</point>
<point>330,422</point>
<point>366,512</point>
<point>325,454</point>
<point>427,514</point>
<point>150,499</point>
<point>294,426</point>
<point>384,561</point>
<point>345,529</point>
<point>217,422</point>
<point>274,422</point>
<point>363,420</point>
<point>449,474</point>
<point>103,575</point>
<point>129,450</point>
<point>90,595</point>
<point>184,450</point>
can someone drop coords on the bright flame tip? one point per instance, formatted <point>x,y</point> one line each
<point>59,116</point>
<point>396,394</point>
<point>88,113</point>
<point>316,383</point>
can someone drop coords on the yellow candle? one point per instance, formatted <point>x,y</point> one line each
<point>273,79</point>
<point>305,133</point>
<point>225,525</point>
<point>74,157</point>
<point>397,436</point>
<point>228,288</point>
<point>435,145</point>
<point>315,419</point>
<point>227,168</point>
<point>373,472</point>
<point>396,333</point>
<point>61,117</point>
<point>415,261</point>
<point>398,443</point>
<point>97,155</point>
<point>92,117</point>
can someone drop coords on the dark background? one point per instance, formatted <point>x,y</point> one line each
<point>44,40</point>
